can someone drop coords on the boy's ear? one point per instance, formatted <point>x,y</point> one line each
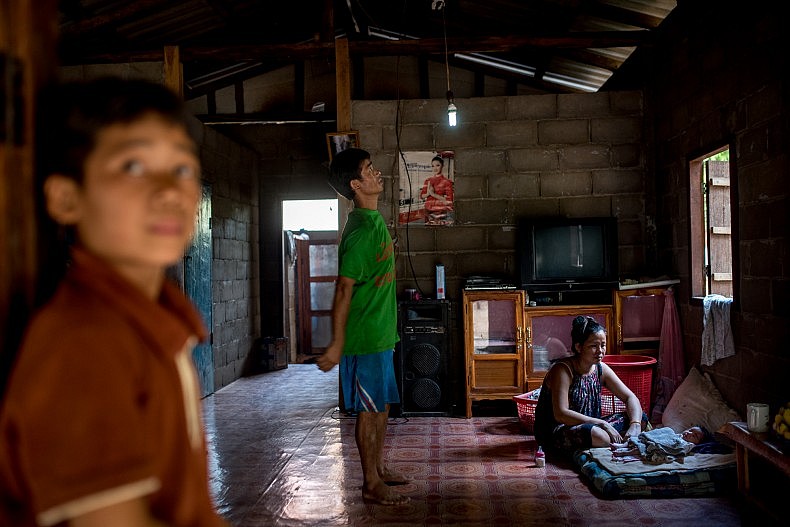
<point>62,196</point>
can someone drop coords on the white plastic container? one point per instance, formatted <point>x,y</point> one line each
<point>540,457</point>
<point>440,293</point>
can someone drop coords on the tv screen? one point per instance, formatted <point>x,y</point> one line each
<point>568,252</point>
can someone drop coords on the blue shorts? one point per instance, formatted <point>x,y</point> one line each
<point>368,381</point>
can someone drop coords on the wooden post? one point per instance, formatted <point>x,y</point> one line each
<point>173,70</point>
<point>343,89</point>
<point>27,61</point>
<point>343,84</point>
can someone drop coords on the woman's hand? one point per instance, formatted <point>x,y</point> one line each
<point>634,429</point>
<point>614,435</point>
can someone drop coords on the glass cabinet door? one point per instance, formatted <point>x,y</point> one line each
<point>549,336</point>
<point>494,326</point>
<point>493,344</point>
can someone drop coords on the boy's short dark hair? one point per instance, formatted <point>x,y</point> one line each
<point>70,115</point>
<point>345,168</point>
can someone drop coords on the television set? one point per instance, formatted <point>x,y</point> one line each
<point>562,254</point>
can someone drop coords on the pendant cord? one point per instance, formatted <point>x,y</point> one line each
<point>446,52</point>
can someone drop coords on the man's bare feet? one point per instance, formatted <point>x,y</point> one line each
<point>381,494</point>
<point>390,477</point>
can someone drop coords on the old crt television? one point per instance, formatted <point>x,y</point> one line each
<point>559,254</point>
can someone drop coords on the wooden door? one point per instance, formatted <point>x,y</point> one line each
<point>197,285</point>
<point>316,270</point>
<point>720,228</point>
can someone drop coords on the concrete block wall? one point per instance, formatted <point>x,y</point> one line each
<point>720,79</point>
<point>231,170</point>
<point>532,155</point>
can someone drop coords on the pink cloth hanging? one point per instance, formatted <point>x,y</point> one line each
<point>671,366</point>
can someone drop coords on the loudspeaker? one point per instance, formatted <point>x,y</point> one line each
<point>422,358</point>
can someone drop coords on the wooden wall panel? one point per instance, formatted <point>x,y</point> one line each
<point>27,51</point>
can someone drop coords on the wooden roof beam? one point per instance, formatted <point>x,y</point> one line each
<point>412,47</point>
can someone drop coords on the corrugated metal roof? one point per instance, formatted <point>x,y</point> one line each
<point>548,45</point>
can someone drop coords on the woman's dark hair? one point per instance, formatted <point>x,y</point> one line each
<point>345,168</point>
<point>439,159</point>
<point>581,329</point>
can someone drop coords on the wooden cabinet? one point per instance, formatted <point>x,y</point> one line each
<point>548,336</point>
<point>639,315</point>
<point>493,345</point>
<point>508,346</point>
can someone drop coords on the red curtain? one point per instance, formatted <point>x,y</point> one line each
<point>671,367</point>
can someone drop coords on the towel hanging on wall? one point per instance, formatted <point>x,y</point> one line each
<point>717,340</point>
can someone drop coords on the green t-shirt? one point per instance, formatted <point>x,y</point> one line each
<point>366,255</point>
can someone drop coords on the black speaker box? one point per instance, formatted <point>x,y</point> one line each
<point>422,358</point>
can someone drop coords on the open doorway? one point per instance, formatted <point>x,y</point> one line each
<point>310,263</point>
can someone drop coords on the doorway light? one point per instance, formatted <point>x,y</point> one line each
<point>310,215</point>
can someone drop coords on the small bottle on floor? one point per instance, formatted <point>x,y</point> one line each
<point>540,457</point>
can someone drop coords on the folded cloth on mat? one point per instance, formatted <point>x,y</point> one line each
<point>661,445</point>
<point>604,458</point>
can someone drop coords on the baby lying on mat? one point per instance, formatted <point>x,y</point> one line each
<point>661,445</point>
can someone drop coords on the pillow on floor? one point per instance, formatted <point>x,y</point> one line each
<point>697,402</point>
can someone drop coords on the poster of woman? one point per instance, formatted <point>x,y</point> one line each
<point>427,188</point>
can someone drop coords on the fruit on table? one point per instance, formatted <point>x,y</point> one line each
<point>782,421</point>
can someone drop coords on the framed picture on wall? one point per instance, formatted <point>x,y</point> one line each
<point>339,141</point>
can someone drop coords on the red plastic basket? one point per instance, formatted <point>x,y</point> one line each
<point>636,371</point>
<point>526,404</point>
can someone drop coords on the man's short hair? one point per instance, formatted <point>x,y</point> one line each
<point>345,168</point>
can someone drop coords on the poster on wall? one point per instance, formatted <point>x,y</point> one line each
<point>426,188</point>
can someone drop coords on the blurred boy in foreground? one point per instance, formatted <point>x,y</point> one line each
<point>101,422</point>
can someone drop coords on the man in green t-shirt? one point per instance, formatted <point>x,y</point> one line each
<point>364,320</point>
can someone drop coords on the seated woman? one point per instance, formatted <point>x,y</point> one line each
<point>568,415</point>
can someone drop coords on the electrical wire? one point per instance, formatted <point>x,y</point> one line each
<point>446,52</point>
<point>409,196</point>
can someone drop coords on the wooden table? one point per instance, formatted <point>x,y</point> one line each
<point>770,493</point>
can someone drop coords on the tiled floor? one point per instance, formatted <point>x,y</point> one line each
<point>281,454</point>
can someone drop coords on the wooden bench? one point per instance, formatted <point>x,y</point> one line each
<point>760,460</point>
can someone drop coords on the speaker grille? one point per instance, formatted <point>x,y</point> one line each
<point>424,359</point>
<point>426,393</point>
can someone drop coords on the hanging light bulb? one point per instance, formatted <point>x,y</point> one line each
<point>451,110</point>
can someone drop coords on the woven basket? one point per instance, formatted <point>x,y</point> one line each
<point>526,404</point>
<point>636,372</point>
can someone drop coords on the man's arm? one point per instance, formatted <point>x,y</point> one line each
<point>340,308</point>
